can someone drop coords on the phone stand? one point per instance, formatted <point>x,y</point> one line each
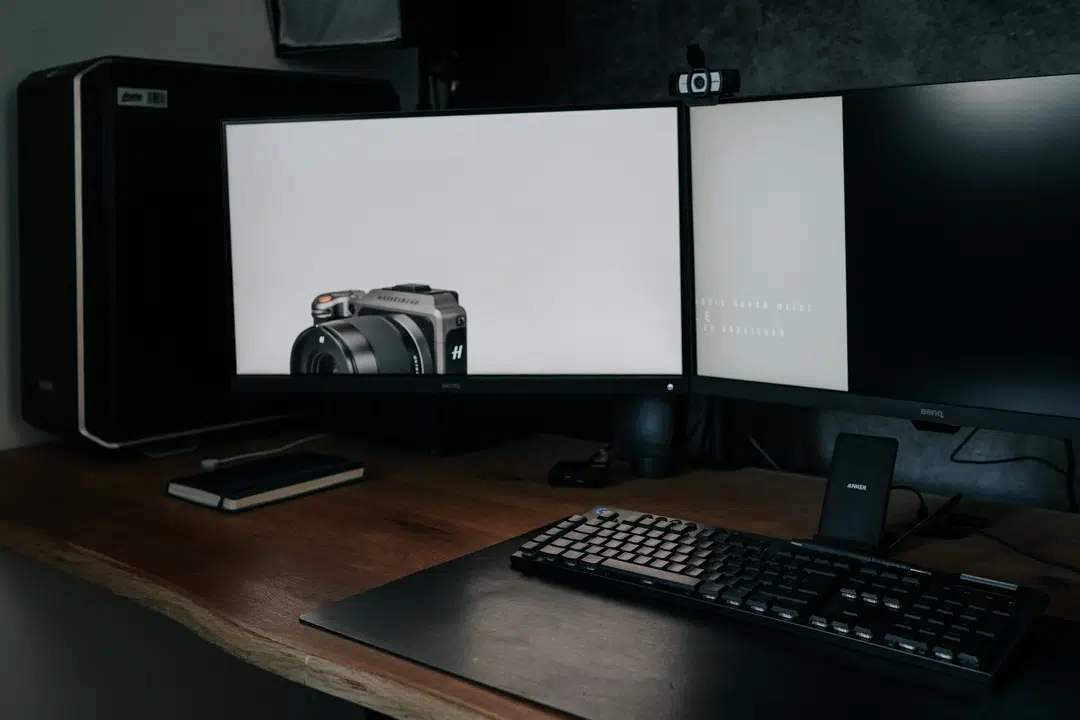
<point>857,493</point>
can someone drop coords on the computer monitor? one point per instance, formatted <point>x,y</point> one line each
<point>480,251</point>
<point>909,252</point>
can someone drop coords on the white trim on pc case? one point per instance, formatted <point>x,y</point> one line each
<point>80,360</point>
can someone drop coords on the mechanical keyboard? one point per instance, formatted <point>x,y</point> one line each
<point>962,626</point>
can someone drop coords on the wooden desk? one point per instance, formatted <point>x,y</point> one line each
<point>242,582</point>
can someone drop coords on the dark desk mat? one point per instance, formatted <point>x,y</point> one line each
<point>601,657</point>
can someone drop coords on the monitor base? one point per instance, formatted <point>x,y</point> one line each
<point>646,431</point>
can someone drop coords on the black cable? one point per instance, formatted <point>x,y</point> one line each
<point>1030,555</point>
<point>1000,461</point>
<point>923,511</point>
<point>1069,471</point>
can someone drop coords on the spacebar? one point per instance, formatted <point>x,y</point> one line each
<point>651,576</point>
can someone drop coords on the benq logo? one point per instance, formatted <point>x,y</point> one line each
<point>927,412</point>
<point>855,486</point>
<point>451,386</point>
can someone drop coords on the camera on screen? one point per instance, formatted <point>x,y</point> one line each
<point>408,329</point>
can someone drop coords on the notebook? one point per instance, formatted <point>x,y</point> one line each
<point>266,480</point>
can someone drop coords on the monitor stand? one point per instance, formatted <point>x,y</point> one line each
<point>857,493</point>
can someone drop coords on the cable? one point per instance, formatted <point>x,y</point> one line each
<point>923,511</point>
<point>1000,461</point>
<point>211,463</point>
<point>1030,555</point>
<point>765,455</point>
<point>1069,471</point>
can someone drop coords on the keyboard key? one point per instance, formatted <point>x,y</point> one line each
<point>789,610</point>
<point>572,555</point>
<point>651,576</point>
<point>758,603</point>
<point>734,597</point>
<point>906,642</point>
<point>863,632</point>
<point>711,591</point>
<point>974,652</point>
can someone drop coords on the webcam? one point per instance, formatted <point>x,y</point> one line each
<point>701,84</point>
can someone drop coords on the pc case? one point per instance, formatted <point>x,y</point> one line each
<point>121,237</point>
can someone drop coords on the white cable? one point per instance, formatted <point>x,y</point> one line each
<point>765,455</point>
<point>211,463</point>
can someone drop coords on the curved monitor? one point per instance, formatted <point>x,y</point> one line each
<point>905,251</point>
<point>482,251</point>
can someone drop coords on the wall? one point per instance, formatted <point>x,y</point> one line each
<point>43,33</point>
<point>567,52</point>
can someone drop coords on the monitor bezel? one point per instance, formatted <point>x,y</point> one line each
<point>930,413</point>
<point>475,384</point>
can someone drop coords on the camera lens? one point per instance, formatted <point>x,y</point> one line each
<point>363,344</point>
<point>323,364</point>
<point>698,82</point>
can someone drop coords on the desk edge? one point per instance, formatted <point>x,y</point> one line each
<point>358,687</point>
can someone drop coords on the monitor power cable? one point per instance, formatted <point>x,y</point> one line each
<point>1069,471</point>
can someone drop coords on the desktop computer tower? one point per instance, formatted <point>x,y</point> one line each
<point>122,252</point>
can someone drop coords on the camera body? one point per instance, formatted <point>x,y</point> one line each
<point>409,329</point>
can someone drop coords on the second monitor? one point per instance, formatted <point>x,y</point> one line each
<point>902,251</point>
<point>459,251</point>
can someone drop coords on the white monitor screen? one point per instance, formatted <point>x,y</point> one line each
<point>769,247</point>
<point>510,244</point>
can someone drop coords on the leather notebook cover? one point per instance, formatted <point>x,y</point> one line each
<point>266,480</point>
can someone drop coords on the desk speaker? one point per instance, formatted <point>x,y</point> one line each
<point>122,240</point>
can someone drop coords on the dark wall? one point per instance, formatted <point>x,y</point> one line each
<point>561,52</point>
